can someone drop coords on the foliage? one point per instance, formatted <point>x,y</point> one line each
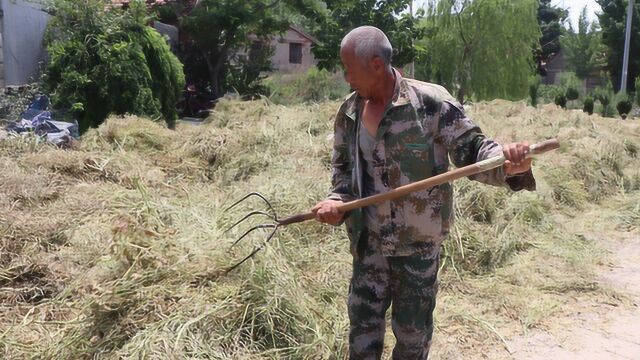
<point>604,96</point>
<point>547,93</point>
<point>583,50</point>
<point>588,105</point>
<point>534,84</point>
<point>561,100</point>
<point>105,60</point>
<point>550,21</point>
<point>217,29</point>
<point>572,93</point>
<point>613,22</point>
<point>247,73</point>
<point>15,100</point>
<point>390,16</point>
<point>314,86</point>
<point>482,49</point>
<point>569,80</point>
<point>624,106</point>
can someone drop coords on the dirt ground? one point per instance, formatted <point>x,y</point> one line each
<point>595,330</point>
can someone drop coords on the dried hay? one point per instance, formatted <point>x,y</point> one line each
<point>114,249</point>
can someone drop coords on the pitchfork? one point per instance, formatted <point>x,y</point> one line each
<point>277,222</point>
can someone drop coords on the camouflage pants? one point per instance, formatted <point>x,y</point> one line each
<point>407,283</point>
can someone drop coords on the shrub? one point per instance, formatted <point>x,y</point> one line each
<point>534,84</point>
<point>572,94</point>
<point>548,93</point>
<point>316,85</point>
<point>105,60</point>
<point>624,107</point>
<point>604,95</point>
<point>570,80</point>
<point>246,75</point>
<point>588,105</point>
<point>561,100</point>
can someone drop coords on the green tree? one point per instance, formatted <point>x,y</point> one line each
<point>550,20</point>
<point>220,28</point>
<point>482,48</point>
<point>105,60</point>
<point>389,16</point>
<point>583,50</point>
<point>613,22</point>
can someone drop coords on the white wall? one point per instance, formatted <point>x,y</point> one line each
<point>23,27</point>
<point>1,54</point>
<point>280,59</point>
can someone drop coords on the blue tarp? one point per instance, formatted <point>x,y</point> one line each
<point>38,119</point>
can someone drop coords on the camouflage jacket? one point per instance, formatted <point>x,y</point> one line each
<point>421,127</point>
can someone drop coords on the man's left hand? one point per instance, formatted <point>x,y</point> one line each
<point>514,154</point>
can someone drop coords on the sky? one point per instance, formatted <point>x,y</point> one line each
<point>575,8</point>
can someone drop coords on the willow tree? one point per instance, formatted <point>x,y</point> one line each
<point>482,48</point>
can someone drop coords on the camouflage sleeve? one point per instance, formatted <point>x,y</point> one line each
<point>341,161</point>
<point>467,144</point>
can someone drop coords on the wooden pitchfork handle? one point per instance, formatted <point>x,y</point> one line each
<point>479,167</point>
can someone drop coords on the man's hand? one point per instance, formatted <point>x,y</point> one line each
<point>515,158</point>
<point>327,211</point>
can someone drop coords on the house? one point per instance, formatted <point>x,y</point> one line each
<point>555,66</point>
<point>23,24</point>
<point>293,51</point>
<point>558,64</point>
<point>22,27</point>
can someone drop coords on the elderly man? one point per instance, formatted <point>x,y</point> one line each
<point>389,132</point>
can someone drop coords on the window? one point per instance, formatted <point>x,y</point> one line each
<point>295,53</point>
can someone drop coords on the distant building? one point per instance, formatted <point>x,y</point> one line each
<point>292,50</point>
<point>558,64</point>
<point>555,66</point>
<point>23,23</point>
<point>22,26</point>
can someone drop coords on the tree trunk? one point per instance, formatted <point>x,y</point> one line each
<point>215,67</point>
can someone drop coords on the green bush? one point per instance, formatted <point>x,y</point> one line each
<point>316,85</point>
<point>246,74</point>
<point>569,80</point>
<point>624,107</point>
<point>604,96</point>
<point>561,100</point>
<point>548,93</point>
<point>105,60</point>
<point>572,93</point>
<point>534,84</point>
<point>588,105</point>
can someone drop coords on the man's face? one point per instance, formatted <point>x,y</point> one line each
<point>360,76</point>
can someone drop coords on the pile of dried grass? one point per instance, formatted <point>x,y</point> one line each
<point>114,249</point>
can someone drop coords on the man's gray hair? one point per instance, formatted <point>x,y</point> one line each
<point>368,42</point>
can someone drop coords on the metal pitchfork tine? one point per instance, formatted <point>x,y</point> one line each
<point>272,216</point>
<point>482,166</point>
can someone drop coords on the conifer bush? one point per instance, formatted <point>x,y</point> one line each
<point>588,105</point>
<point>534,84</point>
<point>561,100</point>
<point>572,93</point>
<point>624,107</point>
<point>105,60</point>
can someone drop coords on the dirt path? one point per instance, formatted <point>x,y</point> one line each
<point>603,331</point>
